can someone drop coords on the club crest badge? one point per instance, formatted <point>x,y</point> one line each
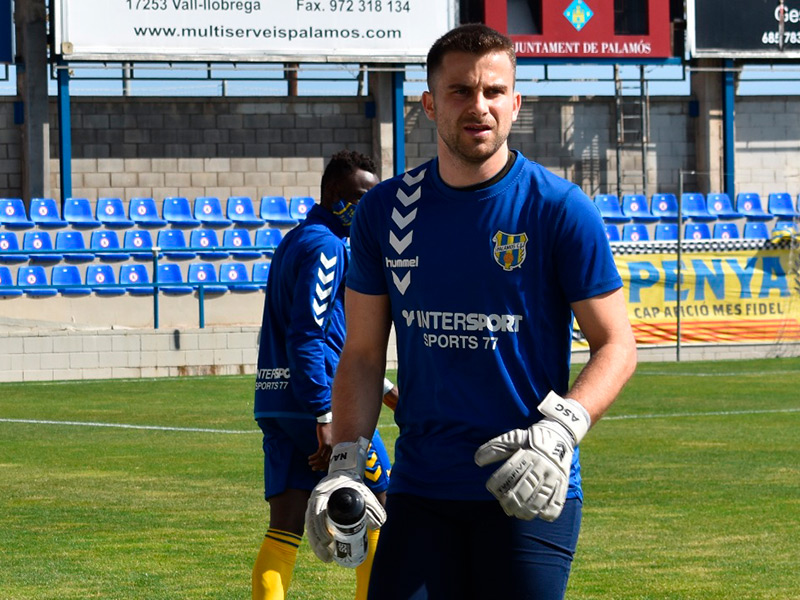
<point>509,249</point>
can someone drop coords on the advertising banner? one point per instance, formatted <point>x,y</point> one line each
<point>581,29</point>
<point>367,31</point>
<point>743,28</point>
<point>735,296</point>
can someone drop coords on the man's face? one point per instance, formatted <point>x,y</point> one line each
<point>349,192</point>
<point>473,104</point>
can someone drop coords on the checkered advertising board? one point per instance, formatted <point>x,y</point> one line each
<point>367,31</point>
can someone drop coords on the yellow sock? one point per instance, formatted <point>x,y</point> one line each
<point>272,572</point>
<point>364,569</point>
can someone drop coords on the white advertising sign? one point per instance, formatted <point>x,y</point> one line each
<point>251,30</point>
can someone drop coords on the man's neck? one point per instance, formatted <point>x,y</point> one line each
<point>457,173</point>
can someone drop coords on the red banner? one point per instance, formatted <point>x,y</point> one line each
<point>582,29</point>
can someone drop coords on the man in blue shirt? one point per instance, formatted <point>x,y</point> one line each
<point>302,335</point>
<point>480,258</point>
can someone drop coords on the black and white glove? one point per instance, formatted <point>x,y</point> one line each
<point>533,480</point>
<point>346,469</point>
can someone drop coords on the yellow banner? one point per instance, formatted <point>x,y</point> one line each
<point>743,296</point>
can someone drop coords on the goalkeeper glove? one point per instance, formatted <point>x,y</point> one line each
<point>348,461</point>
<point>533,480</point>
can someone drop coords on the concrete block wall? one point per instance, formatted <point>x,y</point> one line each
<point>46,355</point>
<point>10,151</point>
<point>222,147</point>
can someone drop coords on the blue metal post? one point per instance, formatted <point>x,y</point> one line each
<point>64,133</point>
<point>156,315</point>
<point>728,136</point>
<point>398,107</point>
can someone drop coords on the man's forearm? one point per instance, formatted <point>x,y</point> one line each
<point>356,402</point>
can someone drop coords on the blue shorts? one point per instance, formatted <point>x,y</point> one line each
<point>288,443</point>
<point>442,549</point>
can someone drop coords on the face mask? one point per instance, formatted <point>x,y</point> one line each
<point>344,211</point>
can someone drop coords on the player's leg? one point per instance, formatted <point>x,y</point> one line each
<point>528,559</point>
<point>287,483</point>
<point>422,552</point>
<point>376,476</point>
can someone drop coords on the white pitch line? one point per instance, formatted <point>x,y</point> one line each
<point>128,426</point>
<point>720,413</point>
<point>729,374</point>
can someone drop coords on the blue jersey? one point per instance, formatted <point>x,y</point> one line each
<point>480,284</point>
<point>303,327</point>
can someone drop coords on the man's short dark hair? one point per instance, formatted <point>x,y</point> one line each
<point>342,164</point>
<point>472,38</point>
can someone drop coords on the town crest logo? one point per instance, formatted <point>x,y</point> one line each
<point>509,249</point>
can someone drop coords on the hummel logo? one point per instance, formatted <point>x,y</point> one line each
<point>401,221</point>
<point>410,180</point>
<point>398,244</point>
<point>401,284</point>
<point>409,200</point>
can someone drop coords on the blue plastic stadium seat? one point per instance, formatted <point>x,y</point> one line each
<point>135,279</point>
<point>780,205</point>
<point>275,210</point>
<point>67,279</point>
<point>12,214</point>
<point>177,211</point>
<point>111,213</point>
<point>209,242</point>
<point>78,213</point>
<point>693,206</point>
<point>608,205</point>
<point>696,231</point>
<point>240,211</point>
<point>756,230</point>
<point>719,205</point>
<point>239,243</point>
<point>664,207</point>
<point>144,212</point>
<point>45,214</point>
<point>261,274</point>
<point>635,232</point>
<point>666,232</point>
<point>208,211</point>
<point>785,225</point>
<point>235,276</point>
<point>173,244</point>
<point>170,274</point>
<point>299,207</point>
<point>205,274</point>
<point>102,281</point>
<point>267,239</point>
<point>749,204</point>
<point>9,246</point>
<point>104,244</point>
<point>612,232</point>
<point>39,245</point>
<point>635,207</point>
<point>7,287</point>
<point>139,242</point>
<point>71,246</point>
<point>726,231</point>
<point>30,277</point>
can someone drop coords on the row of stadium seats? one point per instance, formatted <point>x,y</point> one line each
<point>133,279</point>
<point>38,246</point>
<point>753,230</point>
<point>696,207</point>
<point>176,211</point>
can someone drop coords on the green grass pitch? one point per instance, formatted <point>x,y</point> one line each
<point>692,486</point>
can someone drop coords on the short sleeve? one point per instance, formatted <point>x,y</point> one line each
<point>366,273</point>
<point>584,262</point>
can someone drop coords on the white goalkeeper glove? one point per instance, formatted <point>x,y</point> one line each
<point>347,465</point>
<point>533,480</point>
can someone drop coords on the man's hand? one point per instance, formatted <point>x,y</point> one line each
<point>533,480</point>
<point>319,460</point>
<point>347,464</point>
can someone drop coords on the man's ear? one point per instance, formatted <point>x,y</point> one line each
<point>428,105</point>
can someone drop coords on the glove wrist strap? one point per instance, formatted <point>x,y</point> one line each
<point>567,412</point>
<point>349,456</point>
